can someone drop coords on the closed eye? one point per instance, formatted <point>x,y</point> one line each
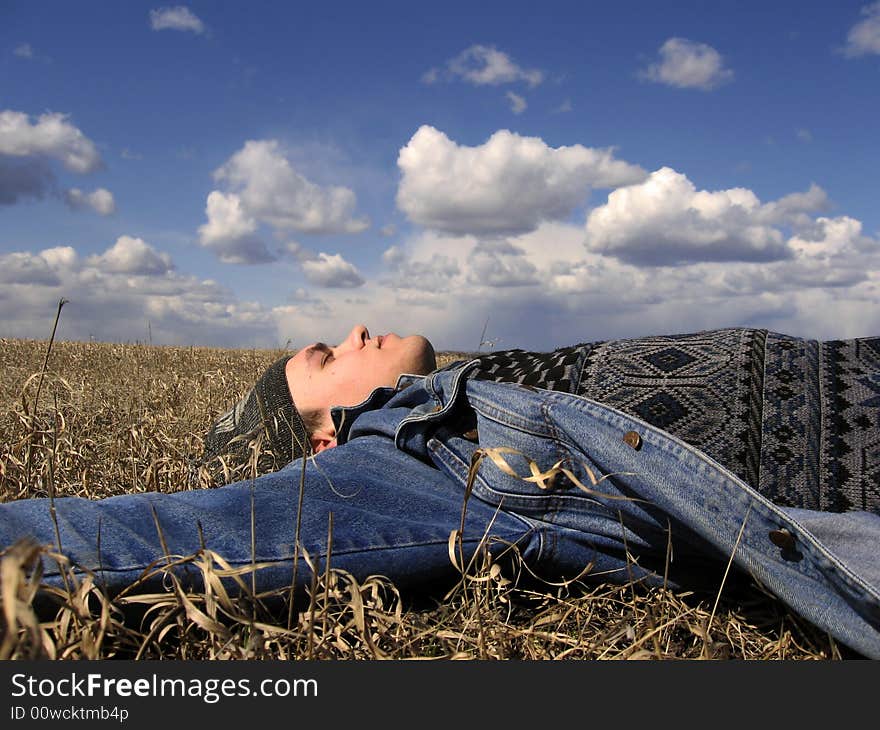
<point>321,347</point>
<point>328,353</point>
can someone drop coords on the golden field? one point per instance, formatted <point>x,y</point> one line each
<point>99,419</point>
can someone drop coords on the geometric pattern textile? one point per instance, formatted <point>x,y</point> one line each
<point>799,420</point>
<point>557,370</point>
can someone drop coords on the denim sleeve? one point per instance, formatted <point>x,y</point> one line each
<point>391,515</point>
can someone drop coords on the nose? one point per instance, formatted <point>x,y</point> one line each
<point>356,339</point>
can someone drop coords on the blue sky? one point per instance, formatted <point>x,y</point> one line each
<point>262,173</point>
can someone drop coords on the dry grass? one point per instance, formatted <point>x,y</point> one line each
<point>118,418</point>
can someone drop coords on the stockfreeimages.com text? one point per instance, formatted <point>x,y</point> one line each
<point>209,690</point>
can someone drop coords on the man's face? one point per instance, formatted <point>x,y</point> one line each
<point>321,376</point>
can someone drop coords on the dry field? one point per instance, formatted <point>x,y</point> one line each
<point>115,418</point>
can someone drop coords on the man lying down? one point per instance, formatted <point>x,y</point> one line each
<point>594,457</point>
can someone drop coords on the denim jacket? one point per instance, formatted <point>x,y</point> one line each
<point>567,482</point>
<point>822,564</point>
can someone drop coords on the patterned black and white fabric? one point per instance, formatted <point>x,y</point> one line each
<point>797,419</point>
<point>557,370</point>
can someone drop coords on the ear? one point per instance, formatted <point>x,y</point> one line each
<point>323,438</point>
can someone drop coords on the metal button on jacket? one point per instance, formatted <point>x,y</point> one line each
<point>782,539</point>
<point>633,439</point>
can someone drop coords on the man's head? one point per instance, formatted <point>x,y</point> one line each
<point>321,376</point>
<point>291,401</point>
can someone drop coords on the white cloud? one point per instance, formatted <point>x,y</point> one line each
<point>794,209</point>
<point>446,287</point>
<point>51,136</point>
<point>564,107</point>
<point>332,272</point>
<point>828,287</point>
<point>27,268</point>
<point>27,150</point>
<point>666,220</point>
<point>230,233</point>
<point>437,264</point>
<point>517,103</point>
<point>431,76</point>
<point>864,37</point>
<point>688,65</point>
<point>393,256</point>
<point>833,237</point>
<point>804,135</point>
<point>100,200</point>
<point>297,250</point>
<point>543,289</point>
<point>264,187</point>
<point>118,294</point>
<point>500,268</point>
<point>179,17</point>
<point>323,269</point>
<point>60,257</point>
<point>24,50</point>
<point>485,65</point>
<point>508,184</point>
<point>538,289</point>
<point>132,256</point>
<point>437,274</point>
<point>226,219</point>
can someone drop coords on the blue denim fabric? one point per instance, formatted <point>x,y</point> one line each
<point>396,489</point>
